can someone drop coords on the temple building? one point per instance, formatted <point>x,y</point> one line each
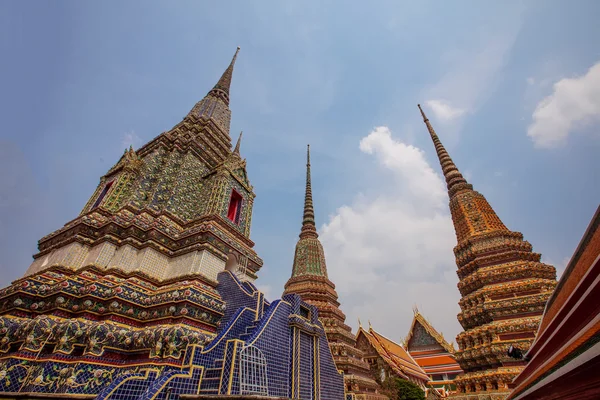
<point>309,280</point>
<point>149,292</point>
<point>503,284</point>
<point>565,357</point>
<point>388,358</point>
<point>433,354</point>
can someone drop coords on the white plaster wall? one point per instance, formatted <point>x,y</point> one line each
<point>127,258</point>
<point>210,265</point>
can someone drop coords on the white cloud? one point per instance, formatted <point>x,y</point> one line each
<point>531,81</point>
<point>131,139</point>
<point>389,251</point>
<point>443,110</point>
<point>575,102</point>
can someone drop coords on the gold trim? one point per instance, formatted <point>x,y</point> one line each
<point>233,357</point>
<point>129,378</point>
<point>267,323</point>
<point>189,374</point>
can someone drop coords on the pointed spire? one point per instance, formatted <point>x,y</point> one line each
<point>359,324</point>
<point>455,182</point>
<point>221,89</point>
<point>308,221</point>
<point>237,145</point>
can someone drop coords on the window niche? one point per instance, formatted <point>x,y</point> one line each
<point>304,312</point>
<point>235,207</point>
<point>103,194</point>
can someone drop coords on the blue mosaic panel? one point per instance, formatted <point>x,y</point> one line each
<point>284,361</point>
<point>272,337</point>
<point>306,366</point>
<point>15,372</point>
<point>332,382</point>
<point>130,386</point>
<point>235,295</point>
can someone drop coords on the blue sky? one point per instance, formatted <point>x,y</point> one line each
<point>510,87</point>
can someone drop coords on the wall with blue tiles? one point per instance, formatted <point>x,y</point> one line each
<point>276,349</point>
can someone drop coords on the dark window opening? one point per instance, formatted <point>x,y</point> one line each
<point>102,195</point>
<point>235,206</point>
<point>13,347</point>
<point>304,312</point>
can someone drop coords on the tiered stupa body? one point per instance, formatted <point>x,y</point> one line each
<point>503,284</point>
<point>309,280</point>
<point>148,293</point>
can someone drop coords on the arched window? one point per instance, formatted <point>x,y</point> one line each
<point>253,371</point>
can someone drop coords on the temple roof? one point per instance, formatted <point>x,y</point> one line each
<point>421,320</point>
<point>566,345</point>
<point>393,354</point>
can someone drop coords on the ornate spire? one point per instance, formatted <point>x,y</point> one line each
<point>308,220</point>
<point>221,89</point>
<point>215,106</point>
<point>471,213</point>
<point>454,179</point>
<point>237,145</point>
<point>309,258</point>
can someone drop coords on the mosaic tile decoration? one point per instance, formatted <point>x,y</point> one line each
<point>268,340</point>
<point>257,339</point>
<point>503,284</point>
<point>130,299</point>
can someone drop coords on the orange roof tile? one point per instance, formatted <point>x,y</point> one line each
<point>394,355</point>
<point>437,360</point>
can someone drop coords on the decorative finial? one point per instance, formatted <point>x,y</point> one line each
<point>308,220</point>
<point>221,89</point>
<point>370,327</point>
<point>422,113</point>
<point>359,324</point>
<point>237,145</point>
